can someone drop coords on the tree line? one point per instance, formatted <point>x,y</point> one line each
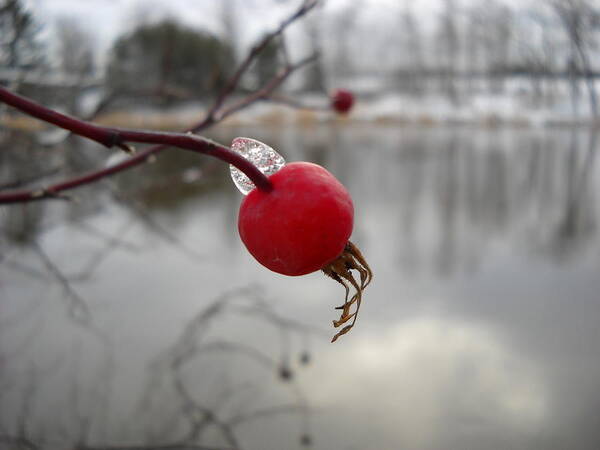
<point>459,48</point>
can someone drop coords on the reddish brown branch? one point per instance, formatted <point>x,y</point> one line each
<point>119,137</point>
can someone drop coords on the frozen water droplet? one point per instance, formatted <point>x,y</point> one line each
<point>267,160</point>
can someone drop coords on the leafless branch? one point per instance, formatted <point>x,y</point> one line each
<point>121,137</point>
<point>267,90</point>
<point>233,83</point>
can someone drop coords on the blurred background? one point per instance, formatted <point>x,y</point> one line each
<point>132,316</point>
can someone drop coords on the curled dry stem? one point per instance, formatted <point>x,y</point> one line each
<point>340,270</point>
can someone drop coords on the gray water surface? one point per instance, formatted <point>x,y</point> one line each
<point>480,329</point>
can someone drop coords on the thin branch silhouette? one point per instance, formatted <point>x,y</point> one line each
<point>122,138</point>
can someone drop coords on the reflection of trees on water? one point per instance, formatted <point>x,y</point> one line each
<point>61,372</point>
<point>455,195</point>
<point>534,194</point>
<point>576,221</point>
<point>441,199</point>
<point>164,186</point>
<point>205,391</point>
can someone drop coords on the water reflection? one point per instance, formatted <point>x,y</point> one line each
<point>480,329</point>
<point>445,382</point>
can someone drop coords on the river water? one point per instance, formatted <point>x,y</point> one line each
<point>135,316</point>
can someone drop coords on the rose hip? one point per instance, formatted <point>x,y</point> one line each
<point>342,101</point>
<point>303,225</point>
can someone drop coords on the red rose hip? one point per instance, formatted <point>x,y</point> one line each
<point>342,100</point>
<point>302,225</point>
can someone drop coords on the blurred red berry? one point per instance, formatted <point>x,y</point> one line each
<point>342,100</point>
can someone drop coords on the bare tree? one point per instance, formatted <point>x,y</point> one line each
<point>447,46</point>
<point>75,48</point>
<point>580,19</point>
<point>229,25</point>
<point>19,45</point>
<point>75,57</point>
<point>344,25</point>
<point>498,30</point>
<point>315,74</point>
<point>412,63</point>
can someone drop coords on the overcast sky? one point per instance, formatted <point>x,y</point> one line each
<point>106,19</point>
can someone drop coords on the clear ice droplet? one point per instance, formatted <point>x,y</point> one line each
<point>267,160</point>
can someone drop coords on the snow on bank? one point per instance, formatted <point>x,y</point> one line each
<point>518,105</point>
<point>514,108</point>
<point>406,110</point>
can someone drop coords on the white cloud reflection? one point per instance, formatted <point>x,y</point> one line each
<point>429,382</point>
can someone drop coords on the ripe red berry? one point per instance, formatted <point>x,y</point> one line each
<point>342,100</point>
<point>303,225</point>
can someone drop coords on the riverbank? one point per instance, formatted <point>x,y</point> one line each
<point>393,110</point>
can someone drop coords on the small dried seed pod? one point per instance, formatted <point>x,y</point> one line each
<point>341,271</point>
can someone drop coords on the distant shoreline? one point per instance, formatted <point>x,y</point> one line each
<point>268,114</point>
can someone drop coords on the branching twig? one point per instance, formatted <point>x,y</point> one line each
<point>121,137</point>
<point>265,92</point>
<point>304,8</point>
<point>194,340</point>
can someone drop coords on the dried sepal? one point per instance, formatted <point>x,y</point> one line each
<point>341,271</point>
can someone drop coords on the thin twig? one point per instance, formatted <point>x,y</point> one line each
<point>119,137</point>
<point>304,8</point>
<point>265,92</point>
